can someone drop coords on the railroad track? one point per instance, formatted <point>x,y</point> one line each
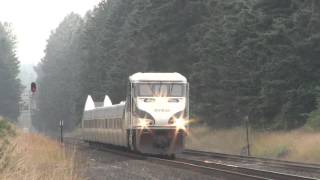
<point>237,172</point>
<point>279,164</point>
<point>226,171</point>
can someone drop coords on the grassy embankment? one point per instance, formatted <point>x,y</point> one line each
<point>32,156</point>
<point>297,145</point>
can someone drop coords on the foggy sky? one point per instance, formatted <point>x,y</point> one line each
<point>33,21</point>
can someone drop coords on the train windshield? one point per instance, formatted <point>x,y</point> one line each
<point>160,90</point>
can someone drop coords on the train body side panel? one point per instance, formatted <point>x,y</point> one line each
<point>105,125</point>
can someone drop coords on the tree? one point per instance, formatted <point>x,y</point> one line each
<point>10,87</point>
<point>58,77</point>
<point>242,57</point>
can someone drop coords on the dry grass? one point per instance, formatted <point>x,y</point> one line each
<point>32,156</point>
<point>297,145</point>
<point>225,141</point>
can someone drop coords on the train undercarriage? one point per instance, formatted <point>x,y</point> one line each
<point>158,141</point>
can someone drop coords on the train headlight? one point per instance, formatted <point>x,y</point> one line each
<point>144,118</point>
<point>145,122</point>
<point>178,120</point>
<point>180,123</point>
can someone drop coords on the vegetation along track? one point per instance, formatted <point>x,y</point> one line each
<point>273,163</point>
<point>212,168</point>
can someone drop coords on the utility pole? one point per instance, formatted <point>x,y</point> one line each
<point>61,131</point>
<point>247,133</point>
<point>32,106</point>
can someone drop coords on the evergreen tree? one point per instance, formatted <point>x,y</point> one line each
<point>9,69</point>
<point>58,77</point>
<point>243,58</point>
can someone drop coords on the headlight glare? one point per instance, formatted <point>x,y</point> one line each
<point>178,120</point>
<point>145,122</point>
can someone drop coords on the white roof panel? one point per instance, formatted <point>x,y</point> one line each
<point>137,77</point>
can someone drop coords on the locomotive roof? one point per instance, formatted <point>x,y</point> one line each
<point>140,77</point>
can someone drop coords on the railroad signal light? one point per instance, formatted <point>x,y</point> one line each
<point>33,87</point>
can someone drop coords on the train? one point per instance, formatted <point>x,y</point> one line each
<point>153,119</point>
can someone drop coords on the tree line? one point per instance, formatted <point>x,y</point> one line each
<point>10,87</point>
<point>245,59</point>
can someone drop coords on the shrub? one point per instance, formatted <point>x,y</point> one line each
<point>314,120</point>
<point>6,128</point>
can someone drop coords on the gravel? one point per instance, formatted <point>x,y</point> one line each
<point>100,165</point>
<point>253,165</point>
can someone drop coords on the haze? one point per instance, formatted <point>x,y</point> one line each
<point>33,20</point>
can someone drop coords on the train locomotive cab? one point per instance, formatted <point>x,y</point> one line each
<point>158,112</point>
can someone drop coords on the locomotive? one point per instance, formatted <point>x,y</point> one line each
<point>152,120</point>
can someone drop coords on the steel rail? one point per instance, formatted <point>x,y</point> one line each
<point>245,170</point>
<point>306,167</point>
<point>210,168</point>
